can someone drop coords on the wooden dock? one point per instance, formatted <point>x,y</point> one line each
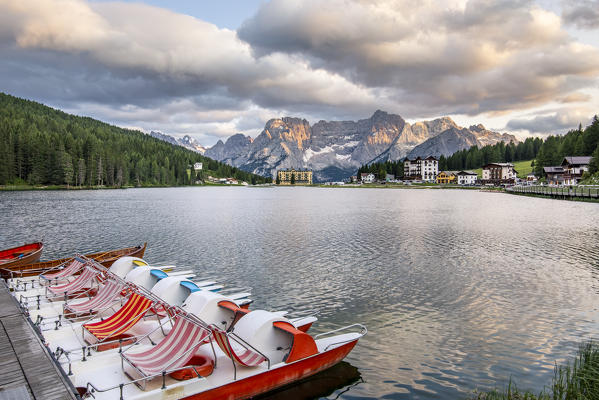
<point>558,192</point>
<point>27,371</point>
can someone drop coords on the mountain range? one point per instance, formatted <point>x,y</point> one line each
<point>334,150</point>
<point>186,141</point>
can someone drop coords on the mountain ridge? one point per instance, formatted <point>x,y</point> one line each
<point>186,141</point>
<point>334,150</point>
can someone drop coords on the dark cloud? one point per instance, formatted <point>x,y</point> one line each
<point>486,56</point>
<point>151,68</point>
<point>582,13</point>
<point>556,123</point>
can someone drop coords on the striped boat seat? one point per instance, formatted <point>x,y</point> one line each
<point>82,281</point>
<point>70,269</point>
<point>173,352</point>
<point>236,351</point>
<point>107,294</point>
<point>121,321</point>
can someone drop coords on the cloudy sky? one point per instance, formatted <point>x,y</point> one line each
<point>211,69</point>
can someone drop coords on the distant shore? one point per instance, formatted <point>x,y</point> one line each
<point>415,186</point>
<point>17,188</point>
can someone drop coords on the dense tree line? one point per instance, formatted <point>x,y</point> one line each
<point>475,157</point>
<point>41,145</point>
<point>381,169</point>
<point>578,142</point>
<point>548,152</point>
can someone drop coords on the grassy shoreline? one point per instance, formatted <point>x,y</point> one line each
<point>18,188</point>
<point>575,380</point>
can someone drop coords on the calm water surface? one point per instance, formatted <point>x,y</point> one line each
<point>459,289</point>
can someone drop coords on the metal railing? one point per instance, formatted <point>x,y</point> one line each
<point>363,332</point>
<point>579,191</point>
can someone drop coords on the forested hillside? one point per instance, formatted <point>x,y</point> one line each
<point>41,145</point>
<point>579,142</point>
<point>476,157</point>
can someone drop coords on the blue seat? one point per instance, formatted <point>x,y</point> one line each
<point>158,274</point>
<point>190,285</point>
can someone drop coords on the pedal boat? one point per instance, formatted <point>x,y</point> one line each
<point>185,342</point>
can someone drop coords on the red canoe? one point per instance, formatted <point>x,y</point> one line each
<point>21,255</point>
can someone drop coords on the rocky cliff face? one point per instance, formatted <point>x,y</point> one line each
<point>456,138</point>
<point>192,144</point>
<point>227,152</point>
<point>445,143</point>
<point>413,135</point>
<point>335,149</point>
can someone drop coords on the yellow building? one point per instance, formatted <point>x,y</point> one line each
<point>300,177</point>
<point>445,177</point>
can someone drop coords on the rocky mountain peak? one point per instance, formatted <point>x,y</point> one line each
<point>288,129</point>
<point>186,141</point>
<point>239,139</point>
<point>335,149</point>
<point>477,128</point>
<point>379,115</point>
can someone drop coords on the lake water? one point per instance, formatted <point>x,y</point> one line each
<point>459,289</point>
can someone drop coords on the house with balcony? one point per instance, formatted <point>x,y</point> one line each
<point>569,172</point>
<point>446,177</point>
<point>466,178</point>
<point>499,174</point>
<point>424,169</point>
<point>554,175</point>
<point>574,168</point>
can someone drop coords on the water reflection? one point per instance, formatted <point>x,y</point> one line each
<point>458,289</point>
<point>329,384</point>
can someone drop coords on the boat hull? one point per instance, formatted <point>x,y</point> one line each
<point>33,268</point>
<point>33,253</point>
<point>276,378</point>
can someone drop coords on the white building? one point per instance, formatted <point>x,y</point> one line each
<point>425,169</point>
<point>498,173</point>
<point>467,178</point>
<point>198,166</point>
<point>367,177</point>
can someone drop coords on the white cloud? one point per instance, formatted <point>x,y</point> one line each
<point>137,65</point>
<point>472,57</point>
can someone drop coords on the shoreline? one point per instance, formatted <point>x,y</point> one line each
<point>418,186</point>
<point>25,188</point>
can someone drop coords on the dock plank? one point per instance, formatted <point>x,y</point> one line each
<point>25,365</point>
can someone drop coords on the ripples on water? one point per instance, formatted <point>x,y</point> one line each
<point>459,289</point>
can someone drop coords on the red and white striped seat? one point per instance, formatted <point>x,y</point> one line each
<point>82,281</point>
<point>236,351</point>
<point>107,294</point>
<point>72,268</point>
<point>173,352</point>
